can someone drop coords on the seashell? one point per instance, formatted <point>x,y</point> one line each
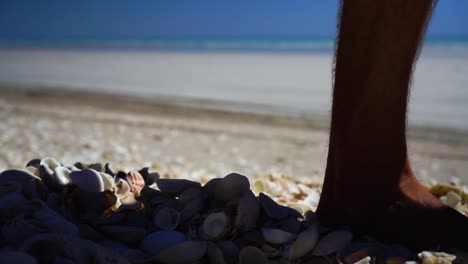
<point>109,183</point>
<point>95,166</point>
<point>175,187</point>
<point>291,224</point>
<point>18,229</point>
<point>113,245</point>
<point>189,194</point>
<point>232,186</point>
<point>108,170</point>
<point>214,254</point>
<point>34,163</point>
<point>125,234</point>
<point>156,242</point>
<point>85,231</point>
<point>136,182</point>
<point>185,252</point>
<point>62,175</point>
<point>229,249</point>
<point>366,260</point>
<point>356,251</point>
<point>215,225</point>
<point>32,170</point>
<point>271,208</point>
<point>50,219</point>
<point>252,255</point>
<point>136,219</point>
<point>166,218</point>
<point>210,187</point>
<point>123,188</point>
<point>11,198</point>
<point>88,180</point>
<point>81,165</point>
<point>453,199</point>
<point>304,243</point>
<point>439,190</point>
<point>332,242</point>
<point>129,202</point>
<point>270,252</point>
<point>32,186</point>
<point>16,257</point>
<point>137,256</point>
<point>46,247</point>
<point>253,238</point>
<point>149,178</point>
<point>248,211</point>
<point>301,208</point>
<point>259,186</point>
<point>276,236</point>
<point>436,257</point>
<point>49,164</point>
<point>100,254</point>
<point>90,205</point>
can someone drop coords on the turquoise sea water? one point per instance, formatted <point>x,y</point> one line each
<point>319,44</point>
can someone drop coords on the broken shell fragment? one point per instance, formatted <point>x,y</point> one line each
<point>436,257</point>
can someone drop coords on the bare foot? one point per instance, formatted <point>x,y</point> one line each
<point>413,217</point>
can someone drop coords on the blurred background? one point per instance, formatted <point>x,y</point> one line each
<point>202,88</point>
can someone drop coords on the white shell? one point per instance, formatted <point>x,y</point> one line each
<point>123,188</point>
<point>88,180</point>
<point>332,242</point>
<point>109,183</point>
<point>62,175</point>
<point>277,236</point>
<point>305,242</point>
<point>215,225</point>
<point>50,164</point>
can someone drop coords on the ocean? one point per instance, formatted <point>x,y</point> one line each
<point>288,76</point>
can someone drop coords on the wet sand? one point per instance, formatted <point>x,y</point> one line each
<point>190,138</point>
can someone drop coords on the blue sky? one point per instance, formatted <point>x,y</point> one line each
<point>193,18</point>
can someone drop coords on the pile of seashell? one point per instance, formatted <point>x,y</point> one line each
<point>86,213</point>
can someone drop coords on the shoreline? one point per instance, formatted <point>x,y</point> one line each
<point>194,107</point>
<point>191,138</point>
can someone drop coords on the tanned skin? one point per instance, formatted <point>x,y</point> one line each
<point>369,184</point>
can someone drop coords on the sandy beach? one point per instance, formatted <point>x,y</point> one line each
<point>189,138</point>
